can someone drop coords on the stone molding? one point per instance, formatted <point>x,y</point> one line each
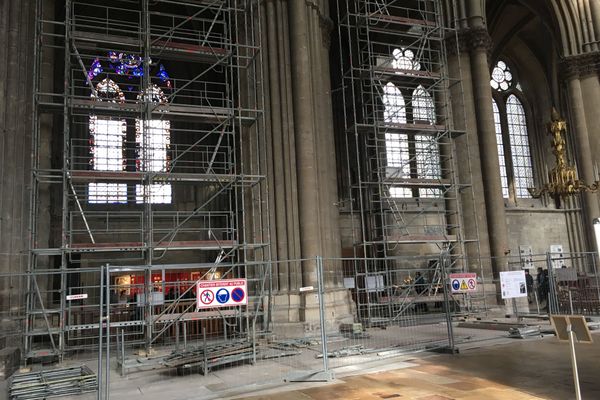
<point>580,65</point>
<point>467,40</point>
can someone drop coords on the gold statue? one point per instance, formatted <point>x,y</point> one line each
<point>562,179</point>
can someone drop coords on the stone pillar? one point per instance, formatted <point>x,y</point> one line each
<point>16,56</point>
<point>583,86</point>
<point>479,43</point>
<point>468,162</point>
<point>581,140</point>
<point>308,193</point>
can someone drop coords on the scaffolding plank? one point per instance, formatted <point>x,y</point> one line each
<point>401,20</point>
<point>194,316</point>
<point>416,182</point>
<point>94,40</point>
<point>170,111</point>
<point>189,52</point>
<point>394,74</point>
<point>420,239</point>
<point>111,176</point>
<point>173,245</point>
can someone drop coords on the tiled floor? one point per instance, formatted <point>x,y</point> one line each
<point>522,370</point>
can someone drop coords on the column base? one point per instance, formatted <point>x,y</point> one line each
<point>299,314</point>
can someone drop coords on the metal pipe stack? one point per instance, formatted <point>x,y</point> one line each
<point>53,383</point>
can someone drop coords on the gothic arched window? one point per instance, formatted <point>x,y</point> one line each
<point>107,136</point>
<point>396,144</point>
<point>514,155</point>
<point>153,140</point>
<point>427,152</point>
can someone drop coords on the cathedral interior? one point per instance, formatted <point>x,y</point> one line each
<point>363,150</point>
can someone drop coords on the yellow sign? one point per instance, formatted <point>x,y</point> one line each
<point>463,285</point>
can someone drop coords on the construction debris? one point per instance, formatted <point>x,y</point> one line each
<point>53,383</point>
<point>211,356</point>
<point>346,352</point>
<point>523,332</point>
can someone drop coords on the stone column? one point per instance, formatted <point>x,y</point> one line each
<point>16,58</point>
<point>468,162</point>
<point>585,68</point>
<point>308,193</point>
<point>581,140</point>
<point>479,43</point>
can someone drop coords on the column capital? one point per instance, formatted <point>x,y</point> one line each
<point>580,65</point>
<point>470,39</point>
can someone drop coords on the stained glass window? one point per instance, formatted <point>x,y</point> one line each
<point>107,135</point>
<point>396,144</point>
<point>500,144</point>
<point>423,107</point>
<point>153,140</point>
<point>510,123</point>
<point>106,147</point>
<point>426,148</point>
<point>519,146</point>
<point>405,59</point>
<point>501,77</point>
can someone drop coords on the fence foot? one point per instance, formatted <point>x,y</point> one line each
<point>310,376</point>
<point>445,350</point>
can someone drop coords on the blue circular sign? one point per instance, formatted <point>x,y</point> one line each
<point>237,294</point>
<point>455,284</point>
<point>222,296</point>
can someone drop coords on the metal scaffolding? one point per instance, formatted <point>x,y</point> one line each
<point>402,182</point>
<point>146,158</point>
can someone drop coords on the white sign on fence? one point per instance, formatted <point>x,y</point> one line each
<point>463,283</point>
<point>221,293</point>
<point>513,284</point>
<point>77,296</point>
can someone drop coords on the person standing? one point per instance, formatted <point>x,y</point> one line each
<point>529,284</point>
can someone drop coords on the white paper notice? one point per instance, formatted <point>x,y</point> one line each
<point>513,284</point>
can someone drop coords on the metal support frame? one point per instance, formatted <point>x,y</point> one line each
<point>207,152</point>
<point>369,33</point>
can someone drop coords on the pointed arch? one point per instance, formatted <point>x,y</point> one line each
<point>423,106</point>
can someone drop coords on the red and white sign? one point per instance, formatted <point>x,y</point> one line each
<point>463,283</point>
<point>77,296</point>
<point>221,293</point>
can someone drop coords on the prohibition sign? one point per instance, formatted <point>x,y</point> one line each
<point>237,294</point>
<point>471,284</point>
<point>206,297</point>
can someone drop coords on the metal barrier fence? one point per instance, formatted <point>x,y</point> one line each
<point>306,318</point>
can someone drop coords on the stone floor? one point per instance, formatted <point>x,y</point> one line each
<point>526,369</point>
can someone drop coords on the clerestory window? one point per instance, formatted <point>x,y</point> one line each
<point>512,136</point>
<point>108,144</point>
<point>409,155</point>
<point>107,136</point>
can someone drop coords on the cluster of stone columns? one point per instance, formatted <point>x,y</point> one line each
<point>301,151</point>
<point>484,218</point>
<point>16,78</point>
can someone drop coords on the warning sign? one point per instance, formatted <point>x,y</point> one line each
<point>221,293</point>
<point>463,283</point>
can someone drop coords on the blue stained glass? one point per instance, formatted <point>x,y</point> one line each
<point>95,69</point>
<point>138,71</point>
<point>164,75</point>
<point>120,69</point>
<point>113,57</point>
